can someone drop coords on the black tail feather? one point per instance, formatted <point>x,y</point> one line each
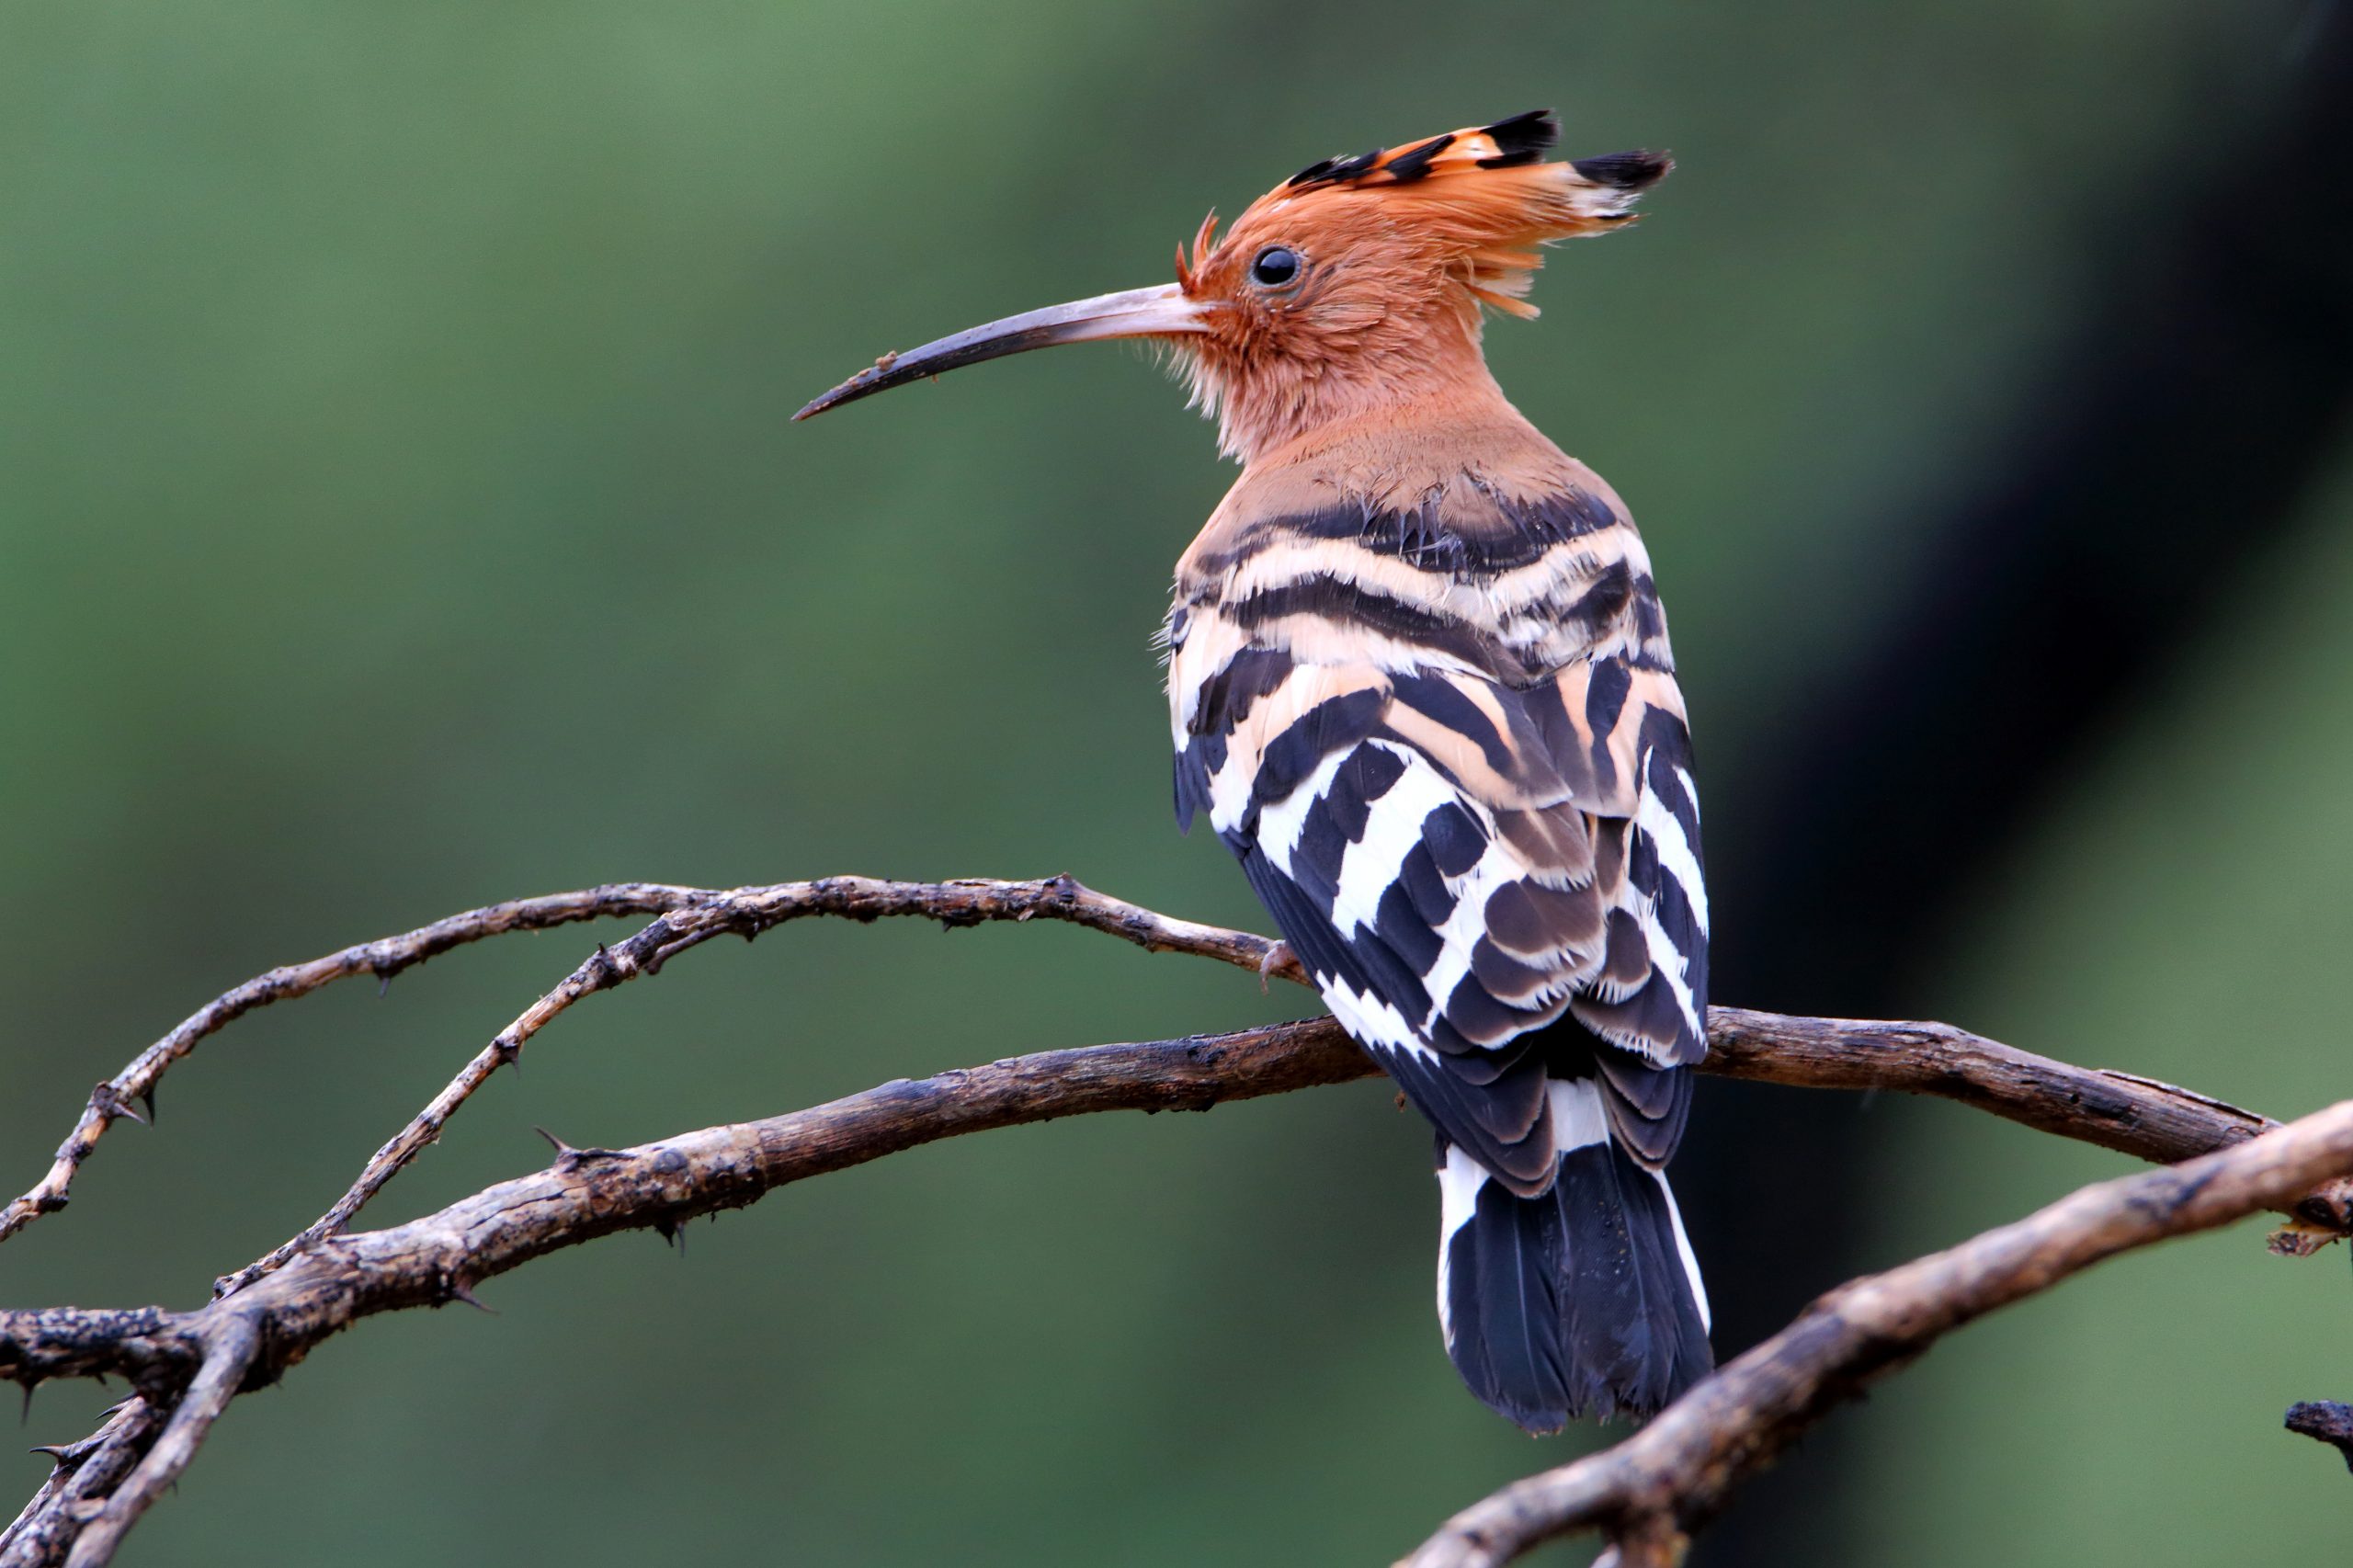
<point>1576,1303</point>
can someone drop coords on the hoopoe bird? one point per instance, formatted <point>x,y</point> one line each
<point>1419,683</point>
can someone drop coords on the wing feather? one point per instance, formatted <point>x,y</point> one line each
<point>1492,874</point>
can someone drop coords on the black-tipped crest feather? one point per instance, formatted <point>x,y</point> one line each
<point>1638,169</point>
<point>1522,139</point>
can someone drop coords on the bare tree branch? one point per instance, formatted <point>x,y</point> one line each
<point>2124,1112</point>
<point>231,1347</point>
<point>384,957</point>
<point>2328,1420</point>
<point>83,1474</point>
<point>1676,1471</point>
<point>2131,1115</point>
<point>747,912</point>
<point>186,1366</point>
<point>2136,1115</point>
<point>252,1337</point>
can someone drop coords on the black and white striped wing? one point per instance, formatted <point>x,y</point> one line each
<point>1460,863</point>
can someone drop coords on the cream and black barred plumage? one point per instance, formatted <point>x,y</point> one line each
<point>1420,684</point>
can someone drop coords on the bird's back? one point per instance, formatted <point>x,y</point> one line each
<point>1420,684</point>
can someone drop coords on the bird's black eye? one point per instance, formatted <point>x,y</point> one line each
<point>1274,267</point>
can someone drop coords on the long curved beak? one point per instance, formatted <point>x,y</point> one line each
<point>1163,312</point>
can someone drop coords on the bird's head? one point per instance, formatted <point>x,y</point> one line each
<point>1356,284</point>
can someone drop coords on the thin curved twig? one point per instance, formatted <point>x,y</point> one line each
<point>383,957</point>
<point>747,912</point>
<point>1674,1473</point>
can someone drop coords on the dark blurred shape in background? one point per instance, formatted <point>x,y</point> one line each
<point>397,513</point>
<point>2164,447</point>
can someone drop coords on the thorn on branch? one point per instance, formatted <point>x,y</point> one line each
<point>674,1231</point>
<point>2327,1421</point>
<point>568,1158</point>
<point>67,1456</point>
<point>108,1101</point>
<point>461,1291</point>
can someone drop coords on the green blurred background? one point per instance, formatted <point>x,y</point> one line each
<point>398,513</point>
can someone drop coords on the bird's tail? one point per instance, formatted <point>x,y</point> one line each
<point>1584,1300</point>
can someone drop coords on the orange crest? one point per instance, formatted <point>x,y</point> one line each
<point>1357,284</point>
<point>1479,202</point>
